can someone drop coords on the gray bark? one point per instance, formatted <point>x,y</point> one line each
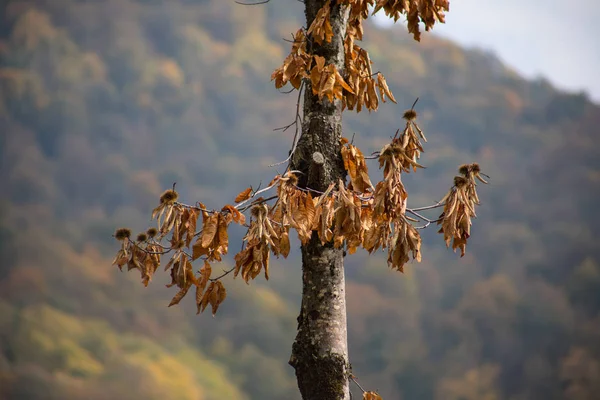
<point>320,351</point>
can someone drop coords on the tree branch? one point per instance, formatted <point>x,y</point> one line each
<point>296,122</point>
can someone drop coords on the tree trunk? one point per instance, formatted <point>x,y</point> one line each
<point>320,351</point>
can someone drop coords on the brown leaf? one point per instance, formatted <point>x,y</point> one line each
<point>180,295</point>
<point>309,207</point>
<point>206,298</point>
<point>209,230</point>
<point>340,80</point>
<point>199,292</point>
<point>236,215</point>
<point>191,226</point>
<point>284,244</point>
<point>384,90</point>
<point>150,266</point>
<point>321,28</point>
<point>120,259</point>
<point>205,273</point>
<point>199,250</point>
<point>265,261</point>
<point>217,296</point>
<point>243,195</point>
<point>355,164</point>
<point>222,237</point>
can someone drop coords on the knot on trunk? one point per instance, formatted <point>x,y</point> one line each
<point>316,170</point>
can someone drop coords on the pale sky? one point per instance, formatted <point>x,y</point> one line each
<point>558,40</point>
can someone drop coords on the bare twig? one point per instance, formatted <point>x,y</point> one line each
<point>168,249</point>
<point>288,91</point>
<point>224,274</point>
<point>353,379</point>
<point>298,123</point>
<point>246,207</point>
<point>418,215</point>
<point>256,193</point>
<point>373,155</point>
<point>414,104</point>
<point>196,207</point>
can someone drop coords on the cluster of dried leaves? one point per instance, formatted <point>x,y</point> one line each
<point>425,11</point>
<point>459,207</point>
<point>295,65</point>
<point>210,244</point>
<point>389,226</point>
<point>357,86</point>
<point>354,215</point>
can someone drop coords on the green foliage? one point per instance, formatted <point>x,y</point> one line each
<point>106,104</point>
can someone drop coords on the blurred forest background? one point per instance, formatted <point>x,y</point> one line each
<point>105,103</point>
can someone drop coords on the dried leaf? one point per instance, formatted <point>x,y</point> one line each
<point>199,250</point>
<point>321,28</point>
<point>205,273</point>
<point>243,195</point>
<point>355,164</point>
<point>190,226</point>
<point>265,261</point>
<point>206,298</point>
<point>222,237</point>
<point>209,230</point>
<point>217,296</point>
<point>371,396</point>
<point>384,90</point>
<point>236,215</point>
<point>284,244</point>
<point>180,295</point>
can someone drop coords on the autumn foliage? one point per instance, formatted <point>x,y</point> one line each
<point>356,214</point>
<point>106,103</point>
<point>350,215</point>
<point>358,86</point>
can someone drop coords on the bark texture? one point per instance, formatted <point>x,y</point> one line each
<point>320,351</point>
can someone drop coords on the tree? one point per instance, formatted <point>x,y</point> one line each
<point>331,217</point>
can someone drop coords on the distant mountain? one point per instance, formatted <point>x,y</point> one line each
<point>104,104</point>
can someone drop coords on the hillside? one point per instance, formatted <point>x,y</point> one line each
<point>104,104</point>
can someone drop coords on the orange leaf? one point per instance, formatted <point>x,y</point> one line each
<point>243,195</point>
<point>237,216</point>
<point>371,396</point>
